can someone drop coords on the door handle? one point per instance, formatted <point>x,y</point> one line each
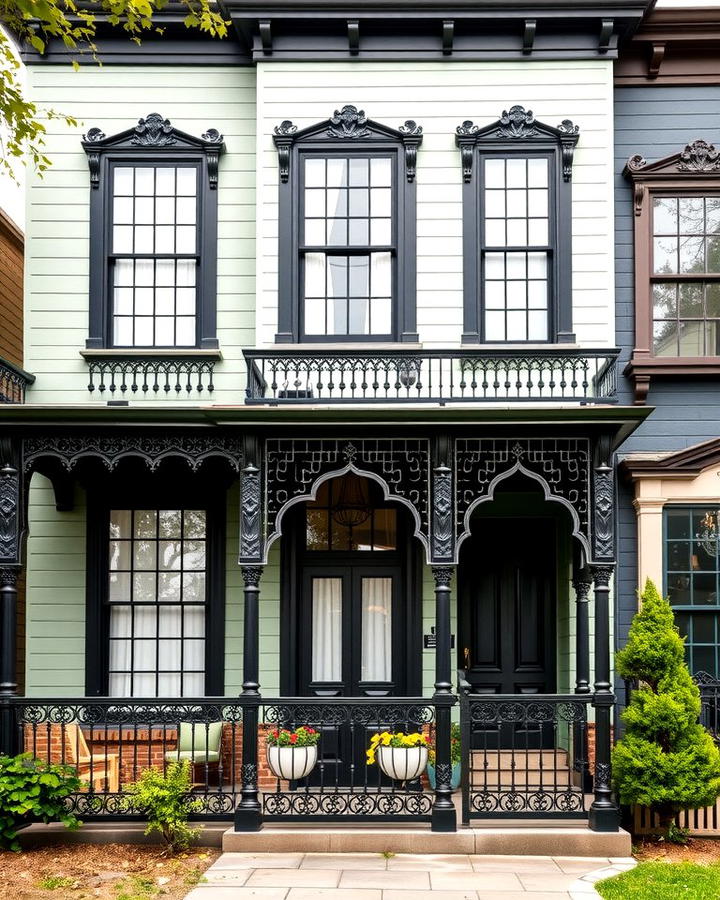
<point>466,657</point>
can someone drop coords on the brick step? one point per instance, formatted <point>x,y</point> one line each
<point>492,778</point>
<point>522,759</point>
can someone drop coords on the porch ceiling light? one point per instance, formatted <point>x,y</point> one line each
<point>353,503</point>
<point>707,536</point>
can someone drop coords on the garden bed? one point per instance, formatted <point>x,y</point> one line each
<point>101,872</point>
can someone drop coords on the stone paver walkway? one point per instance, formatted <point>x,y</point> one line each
<point>373,876</point>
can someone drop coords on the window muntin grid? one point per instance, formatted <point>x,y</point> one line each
<point>157,561</point>
<point>516,248</point>
<point>348,245</point>
<point>686,276</point>
<point>154,258</point>
<point>692,583</point>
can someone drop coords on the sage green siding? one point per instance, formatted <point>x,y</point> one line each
<point>113,98</point>
<point>55,614</point>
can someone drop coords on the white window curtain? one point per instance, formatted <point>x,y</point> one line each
<point>327,629</point>
<point>376,660</point>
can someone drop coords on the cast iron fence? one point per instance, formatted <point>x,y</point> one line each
<point>109,742</point>
<point>155,376</point>
<point>342,784</point>
<point>13,382</point>
<point>524,756</point>
<point>431,376</point>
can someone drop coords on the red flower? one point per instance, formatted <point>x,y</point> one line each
<point>293,739</point>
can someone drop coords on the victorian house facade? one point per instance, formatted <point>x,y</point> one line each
<point>328,404</point>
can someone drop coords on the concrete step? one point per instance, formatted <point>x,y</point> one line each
<point>493,838</point>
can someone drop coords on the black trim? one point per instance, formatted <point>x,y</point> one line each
<point>146,494</point>
<point>517,133</point>
<point>153,141</point>
<point>348,132</point>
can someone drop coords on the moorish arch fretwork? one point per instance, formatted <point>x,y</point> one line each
<point>296,468</point>
<point>68,450</point>
<point>562,467</point>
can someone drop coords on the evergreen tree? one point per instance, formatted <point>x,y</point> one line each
<point>666,760</point>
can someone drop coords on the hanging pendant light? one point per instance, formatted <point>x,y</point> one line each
<point>707,536</point>
<point>353,503</point>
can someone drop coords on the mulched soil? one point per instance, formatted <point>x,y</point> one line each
<point>101,872</point>
<point>697,850</point>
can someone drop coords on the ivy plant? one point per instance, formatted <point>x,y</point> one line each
<point>33,790</point>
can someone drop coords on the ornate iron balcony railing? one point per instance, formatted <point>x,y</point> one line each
<point>431,376</point>
<point>13,382</point>
<point>156,376</point>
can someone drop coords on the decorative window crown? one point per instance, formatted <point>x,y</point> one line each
<point>153,131</point>
<point>347,124</point>
<point>517,124</point>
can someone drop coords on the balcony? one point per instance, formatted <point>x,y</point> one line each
<point>278,377</point>
<point>13,382</point>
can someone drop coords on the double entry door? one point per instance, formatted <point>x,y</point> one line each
<point>350,646</point>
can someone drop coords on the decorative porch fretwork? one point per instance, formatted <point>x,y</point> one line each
<point>294,467</point>
<point>560,465</point>
<point>152,449</point>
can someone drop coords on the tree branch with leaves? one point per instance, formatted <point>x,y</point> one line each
<point>34,23</point>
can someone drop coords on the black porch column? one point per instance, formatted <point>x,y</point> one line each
<point>11,518</point>
<point>604,814</point>
<point>443,814</point>
<point>248,816</point>
<point>582,584</point>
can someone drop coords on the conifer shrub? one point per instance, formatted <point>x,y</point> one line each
<point>666,760</point>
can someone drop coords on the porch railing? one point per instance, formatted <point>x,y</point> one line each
<point>13,382</point>
<point>431,376</point>
<point>524,756</point>
<point>108,743</point>
<point>342,785</point>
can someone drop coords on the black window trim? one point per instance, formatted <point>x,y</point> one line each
<point>518,133</point>
<point>97,628</point>
<point>154,140</point>
<point>348,132</point>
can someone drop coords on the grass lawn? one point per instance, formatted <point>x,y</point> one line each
<point>664,881</point>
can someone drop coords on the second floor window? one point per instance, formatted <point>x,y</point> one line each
<point>347,230</point>
<point>155,256</point>
<point>153,237</point>
<point>348,250</point>
<point>517,229</point>
<point>516,248</point>
<point>686,276</point>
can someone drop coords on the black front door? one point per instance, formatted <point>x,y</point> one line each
<point>507,614</point>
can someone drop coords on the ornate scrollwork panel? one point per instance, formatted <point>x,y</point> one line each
<point>560,465</point>
<point>70,449</point>
<point>388,804</point>
<point>294,467</point>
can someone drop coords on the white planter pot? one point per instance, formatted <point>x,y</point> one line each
<point>292,763</point>
<point>402,763</point>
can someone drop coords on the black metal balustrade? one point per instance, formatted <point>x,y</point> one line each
<point>342,785</point>
<point>156,376</point>
<point>109,742</point>
<point>524,757</point>
<point>13,382</point>
<point>709,687</point>
<point>431,376</point>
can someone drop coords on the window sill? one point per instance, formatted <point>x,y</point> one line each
<point>641,369</point>
<point>350,347</point>
<point>151,352</point>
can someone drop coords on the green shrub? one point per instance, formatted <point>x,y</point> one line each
<point>31,789</point>
<point>163,798</point>
<point>666,760</point>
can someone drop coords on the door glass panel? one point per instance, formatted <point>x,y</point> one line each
<point>376,663</point>
<point>326,629</point>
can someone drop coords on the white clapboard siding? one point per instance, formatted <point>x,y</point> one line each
<point>440,95</point>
